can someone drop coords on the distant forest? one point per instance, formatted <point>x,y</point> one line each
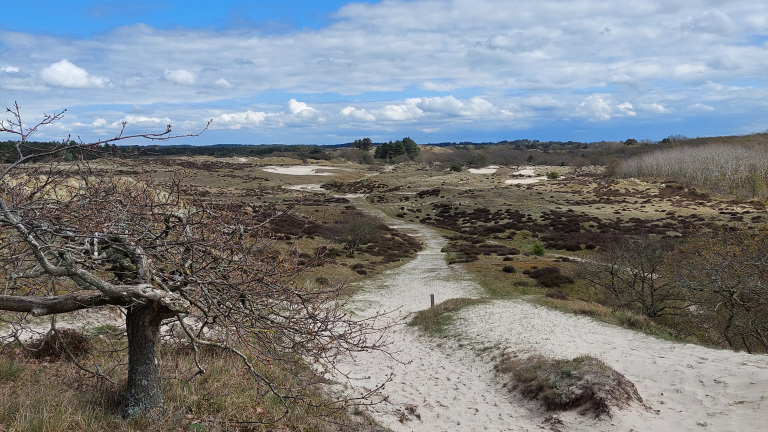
<point>365,151</point>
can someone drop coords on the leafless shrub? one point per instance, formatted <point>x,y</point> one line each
<point>719,167</point>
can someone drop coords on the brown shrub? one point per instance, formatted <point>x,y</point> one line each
<point>53,346</point>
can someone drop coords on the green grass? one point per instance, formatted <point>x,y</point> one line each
<point>436,320</point>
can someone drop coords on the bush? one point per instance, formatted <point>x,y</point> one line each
<point>54,345</point>
<point>549,277</point>
<point>538,249</point>
<point>564,384</point>
<point>553,175</point>
<point>557,295</point>
<point>456,167</point>
<point>508,269</point>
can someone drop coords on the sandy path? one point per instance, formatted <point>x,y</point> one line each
<point>441,387</point>
<point>446,389</point>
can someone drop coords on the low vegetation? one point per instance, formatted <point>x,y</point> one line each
<point>650,240</point>
<point>222,399</point>
<point>584,382</point>
<point>437,319</point>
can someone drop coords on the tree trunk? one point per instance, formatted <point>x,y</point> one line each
<point>143,394</point>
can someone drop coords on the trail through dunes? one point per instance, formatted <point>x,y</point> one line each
<point>448,385</point>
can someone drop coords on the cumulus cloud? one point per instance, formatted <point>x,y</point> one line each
<point>401,112</point>
<point>301,113</point>
<point>627,108</point>
<point>239,120</point>
<point>424,63</point>
<point>596,107</point>
<point>301,108</point>
<point>357,114</point>
<point>445,105</point>
<point>66,74</point>
<point>180,76</point>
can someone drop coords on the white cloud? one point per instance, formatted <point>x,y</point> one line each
<point>301,108</point>
<point>445,105</point>
<point>66,74</point>
<point>701,107</point>
<point>221,82</point>
<point>403,112</point>
<point>545,102</point>
<point>299,113</point>
<point>357,114</point>
<point>180,76</point>
<point>239,120</point>
<point>596,107</point>
<point>654,108</point>
<point>139,120</point>
<point>627,108</point>
<point>425,63</point>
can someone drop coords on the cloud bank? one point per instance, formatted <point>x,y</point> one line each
<point>435,70</point>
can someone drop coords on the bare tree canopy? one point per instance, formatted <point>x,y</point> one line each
<point>73,237</point>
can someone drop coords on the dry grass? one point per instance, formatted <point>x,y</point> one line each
<point>583,382</point>
<point>225,398</point>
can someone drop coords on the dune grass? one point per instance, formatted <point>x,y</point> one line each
<point>53,395</point>
<point>436,320</point>
<point>584,382</point>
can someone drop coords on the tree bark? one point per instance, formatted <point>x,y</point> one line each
<point>143,394</point>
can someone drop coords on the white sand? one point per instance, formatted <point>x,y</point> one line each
<point>307,188</point>
<point>525,172</point>
<point>686,387</point>
<point>300,170</point>
<point>523,181</point>
<point>490,169</point>
<point>526,175</point>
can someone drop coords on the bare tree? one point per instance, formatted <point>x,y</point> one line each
<point>726,273</point>
<point>72,238</point>
<point>354,230</point>
<point>632,271</point>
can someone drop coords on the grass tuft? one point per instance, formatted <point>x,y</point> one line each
<point>437,319</point>
<point>583,382</point>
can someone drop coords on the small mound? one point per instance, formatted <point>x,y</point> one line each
<point>583,382</point>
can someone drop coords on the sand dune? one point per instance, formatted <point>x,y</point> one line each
<point>441,386</point>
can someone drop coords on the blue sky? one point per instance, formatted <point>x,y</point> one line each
<point>327,72</point>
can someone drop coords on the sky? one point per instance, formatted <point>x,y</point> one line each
<point>329,72</point>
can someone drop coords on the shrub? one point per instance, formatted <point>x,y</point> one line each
<point>538,249</point>
<point>54,345</point>
<point>508,269</point>
<point>549,277</point>
<point>456,167</point>
<point>584,382</point>
<point>553,175</point>
<point>557,295</point>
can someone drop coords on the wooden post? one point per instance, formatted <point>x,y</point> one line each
<point>431,301</point>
